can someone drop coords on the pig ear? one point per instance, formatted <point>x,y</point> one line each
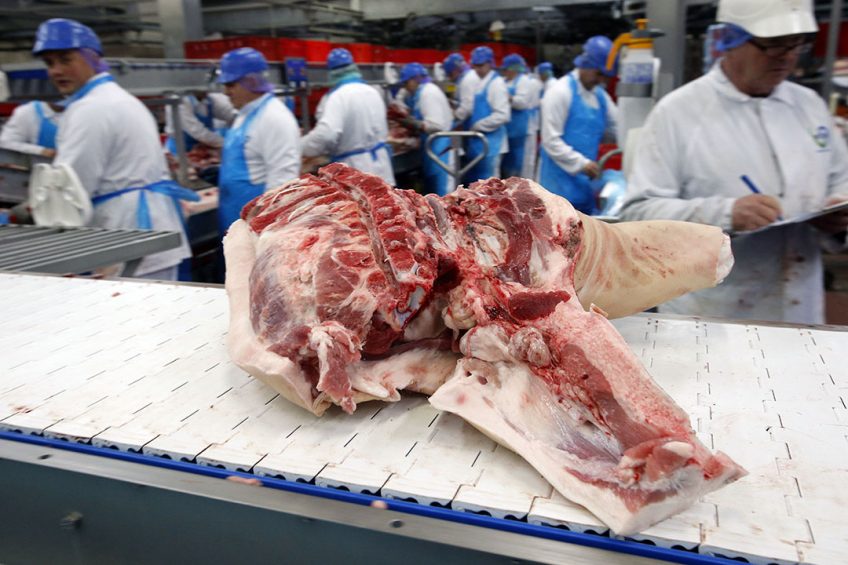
<point>631,266</point>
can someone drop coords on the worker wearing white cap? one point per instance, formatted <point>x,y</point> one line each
<point>576,112</point>
<point>198,113</point>
<point>111,141</point>
<point>431,113</point>
<point>490,114</point>
<point>466,81</point>
<point>32,129</point>
<point>523,127</point>
<point>262,149</point>
<point>353,127</point>
<point>740,148</point>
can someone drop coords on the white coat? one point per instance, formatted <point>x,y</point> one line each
<point>111,141</point>
<point>353,118</point>
<point>697,143</point>
<point>272,151</point>
<point>435,108</point>
<point>528,96</point>
<point>190,107</point>
<point>20,132</point>
<point>498,99</point>
<point>555,107</point>
<point>548,84</point>
<point>466,86</point>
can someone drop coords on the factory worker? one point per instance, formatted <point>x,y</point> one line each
<point>523,127</point>
<point>198,113</point>
<point>110,139</point>
<point>576,112</point>
<point>352,128</point>
<point>431,113</point>
<point>466,81</point>
<point>262,148</point>
<point>744,119</point>
<point>32,129</point>
<point>490,114</point>
<point>546,75</point>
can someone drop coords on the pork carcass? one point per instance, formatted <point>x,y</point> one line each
<point>494,301</point>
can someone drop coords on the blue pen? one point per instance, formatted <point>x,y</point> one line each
<point>750,184</point>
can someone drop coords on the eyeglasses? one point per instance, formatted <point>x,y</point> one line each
<point>796,46</point>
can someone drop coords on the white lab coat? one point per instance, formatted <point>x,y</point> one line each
<point>353,117</point>
<point>555,107</point>
<point>697,143</point>
<point>528,96</point>
<point>111,141</point>
<point>190,107</point>
<point>466,86</point>
<point>548,84</point>
<point>498,99</point>
<point>435,108</point>
<point>272,151</point>
<point>20,132</point>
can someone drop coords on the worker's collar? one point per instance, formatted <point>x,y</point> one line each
<point>580,88</point>
<point>729,90</point>
<point>247,108</point>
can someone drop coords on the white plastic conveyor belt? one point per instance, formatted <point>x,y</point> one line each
<point>143,367</point>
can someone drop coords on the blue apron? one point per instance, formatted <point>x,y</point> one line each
<point>190,141</point>
<point>436,179</point>
<point>374,148</point>
<point>584,129</point>
<point>235,188</point>
<point>166,187</point>
<point>486,167</point>
<point>516,131</point>
<point>46,128</point>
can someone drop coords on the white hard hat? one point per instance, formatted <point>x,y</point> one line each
<point>769,18</point>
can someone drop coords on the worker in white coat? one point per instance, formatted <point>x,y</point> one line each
<point>489,115</point>
<point>262,148</point>
<point>546,75</point>
<point>198,114</point>
<point>431,113</point>
<point>576,113</point>
<point>32,129</point>
<point>111,141</point>
<point>740,148</point>
<point>465,81</point>
<point>522,130</point>
<point>353,127</point>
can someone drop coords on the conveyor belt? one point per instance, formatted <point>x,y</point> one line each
<point>143,368</point>
<point>76,250</point>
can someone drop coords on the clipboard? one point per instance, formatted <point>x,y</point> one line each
<point>799,219</point>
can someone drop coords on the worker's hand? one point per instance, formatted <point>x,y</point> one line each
<point>834,223</point>
<point>754,211</point>
<point>592,170</point>
<point>49,153</point>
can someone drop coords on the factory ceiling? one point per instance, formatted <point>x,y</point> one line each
<point>434,23</point>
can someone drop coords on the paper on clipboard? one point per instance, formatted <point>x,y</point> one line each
<point>801,218</point>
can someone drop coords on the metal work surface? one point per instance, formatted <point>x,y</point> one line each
<point>143,368</point>
<point>76,250</point>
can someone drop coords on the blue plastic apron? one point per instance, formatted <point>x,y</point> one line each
<point>166,187</point>
<point>374,148</point>
<point>46,128</point>
<point>235,188</point>
<point>207,120</point>
<point>436,179</point>
<point>516,131</point>
<point>584,129</point>
<point>486,167</point>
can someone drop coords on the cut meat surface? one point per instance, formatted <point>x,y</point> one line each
<point>493,300</point>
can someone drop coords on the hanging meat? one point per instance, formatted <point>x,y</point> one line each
<point>493,300</point>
